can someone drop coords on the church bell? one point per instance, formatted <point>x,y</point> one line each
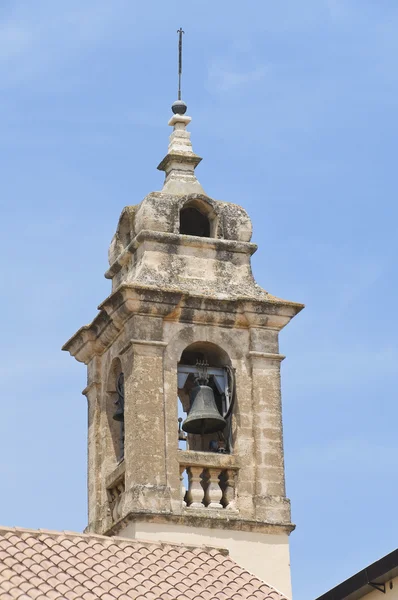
<point>118,415</point>
<point>203,416</point>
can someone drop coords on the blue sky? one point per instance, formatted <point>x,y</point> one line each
<point>294,112</point>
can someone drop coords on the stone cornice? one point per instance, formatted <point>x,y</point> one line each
<point>94,339</point>
<point>179,157</point>
<point>90,386</point>
<point>131,342</point>
<point>207,459</point>
<point>267,355</point>
<point>228,521</point>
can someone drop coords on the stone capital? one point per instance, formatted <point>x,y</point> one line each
<point>144,346</point>
<point>265,356</point>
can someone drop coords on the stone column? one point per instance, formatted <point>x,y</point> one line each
<point>270,501</point>
<point>242,430</point>
<point>145,451</point>
<point>92,393</point>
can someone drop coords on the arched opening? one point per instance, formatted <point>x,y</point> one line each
<point>198,217</point>
<point>194,222</point>
<point>205,351</point>
<point>115,408</point>
<point>125,228</point>
<point>219,378</point>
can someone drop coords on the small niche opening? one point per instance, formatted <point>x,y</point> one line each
<point>194,222</point>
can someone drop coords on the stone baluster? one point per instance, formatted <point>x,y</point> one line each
<point>183,488</point>
<point>111,499</point>
<point>115,500</point>
<point>119,492</point>
<point>195,490</point>
<point>213,491</point>
<point>229,498</point>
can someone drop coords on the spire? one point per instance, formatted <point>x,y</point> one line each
<point>180,161</point>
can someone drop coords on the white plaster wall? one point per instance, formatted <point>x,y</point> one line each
<point>265,555</point>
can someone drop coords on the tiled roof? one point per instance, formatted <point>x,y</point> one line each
<point>41,565</point>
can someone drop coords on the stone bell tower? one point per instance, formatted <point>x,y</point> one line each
<point>183,299</point>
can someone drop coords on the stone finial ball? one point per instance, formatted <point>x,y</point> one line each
<point>179,107</point>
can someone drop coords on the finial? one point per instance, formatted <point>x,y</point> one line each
<point>180,161</point>
<point>179,107</point>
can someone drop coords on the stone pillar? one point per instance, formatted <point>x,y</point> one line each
<point>243,443</point>
<point>92,393</point>
<point>270,502</point>
<point>145,451</point>
<point>171,439</point>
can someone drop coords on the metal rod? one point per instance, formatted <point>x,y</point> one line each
<point>180,32</point>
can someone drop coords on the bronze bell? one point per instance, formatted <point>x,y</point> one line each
<point>118,415</point>
<point>203,416</point>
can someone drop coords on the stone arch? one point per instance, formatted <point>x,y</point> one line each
<point>124,234</point>
<point>197,217</point>
<point>125,228</point>
<point>217,359</point>
<point>116,428</point>
<point>205,350</point>
<point>234,343</point>
<point>224,339</point>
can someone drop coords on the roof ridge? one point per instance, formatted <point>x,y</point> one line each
<point>112,539</point>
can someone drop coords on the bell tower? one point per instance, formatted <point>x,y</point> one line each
<point>183,389</point>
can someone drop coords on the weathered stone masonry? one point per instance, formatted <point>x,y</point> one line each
<point>174,293</point>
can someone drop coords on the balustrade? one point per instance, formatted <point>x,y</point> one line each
<point>207,486</point>
<point>115,489</point>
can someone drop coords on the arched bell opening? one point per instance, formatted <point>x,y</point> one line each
<point>206,397</point>
<point>197,218</point>
<point>115,408</point>
<point>124,229</point>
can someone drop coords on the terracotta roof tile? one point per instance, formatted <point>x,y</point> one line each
<point>45,565</point>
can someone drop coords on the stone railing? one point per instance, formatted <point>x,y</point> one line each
<point>207,480</point>
<point>115,487</point>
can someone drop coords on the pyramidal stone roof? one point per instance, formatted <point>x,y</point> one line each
<point>41,565</point>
